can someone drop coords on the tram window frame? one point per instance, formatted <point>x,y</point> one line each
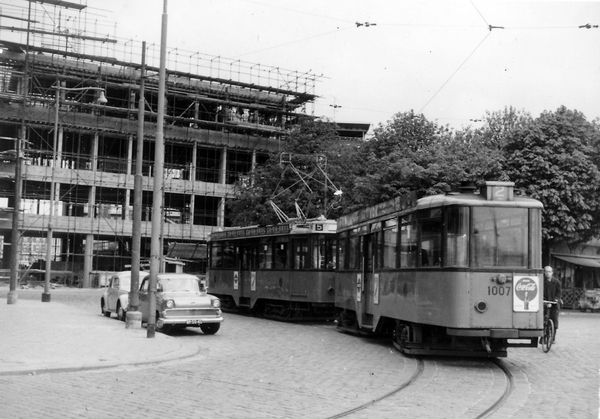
<point>356,246</point>
<point>430,239</point>
<point>323,252</point>
<point>281,253</point>
<point>535,244</point>
<point>215,255</point>
<point>408,248</point>
<point>342,250</point>
<point>457,237</point>
<point>265,253</point>
<point>250,250</point>
<point>301,258</point>
<point>376,246</point>
<point>228,248</point>
<point>390,244</point>
<point>500,238</point>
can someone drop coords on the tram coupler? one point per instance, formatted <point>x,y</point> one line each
<point>486,344</point>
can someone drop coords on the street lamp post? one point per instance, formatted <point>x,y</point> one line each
<point>101,100</point>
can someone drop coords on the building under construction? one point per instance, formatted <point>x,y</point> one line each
<point>70,124</point>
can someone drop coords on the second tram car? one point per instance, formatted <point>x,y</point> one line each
<point>285,271</point>
<point>452,274</point>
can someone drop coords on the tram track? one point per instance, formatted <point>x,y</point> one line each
<point>508,390</point>
<point>420,368</point>
<point>413,378</point>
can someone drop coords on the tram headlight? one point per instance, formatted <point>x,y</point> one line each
<point>501,279</point>
<point>481,306</point>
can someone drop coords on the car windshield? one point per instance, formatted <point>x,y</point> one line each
<point>179,284</point>
<point>125,284</point>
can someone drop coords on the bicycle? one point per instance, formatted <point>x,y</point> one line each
<point>549,330</point>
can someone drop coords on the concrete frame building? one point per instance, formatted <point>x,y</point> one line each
<point>222,118</point>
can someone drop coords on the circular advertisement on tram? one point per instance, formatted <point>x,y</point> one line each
<point>526,293</point>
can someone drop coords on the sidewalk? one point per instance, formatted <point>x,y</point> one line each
<point>37,337</point>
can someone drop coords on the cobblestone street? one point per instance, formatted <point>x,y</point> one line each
<point>256,368</point>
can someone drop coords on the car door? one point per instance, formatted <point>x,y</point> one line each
<point>113,293</point>
<point>144,306</point>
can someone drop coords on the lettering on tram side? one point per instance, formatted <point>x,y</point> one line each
<point>249,232</point>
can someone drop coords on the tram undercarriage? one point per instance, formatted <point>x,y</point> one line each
<point>287,311</point>
<point>418,339</point>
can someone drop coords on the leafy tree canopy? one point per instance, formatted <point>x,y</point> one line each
<point>552,158</point>
<point>412,153</point>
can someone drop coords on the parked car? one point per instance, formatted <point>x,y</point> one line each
<point>590,299</point>
<point>181,302</point>
<point>115,298</point>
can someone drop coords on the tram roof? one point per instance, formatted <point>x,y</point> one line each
<point>491,194</point>
<point>474,200</point>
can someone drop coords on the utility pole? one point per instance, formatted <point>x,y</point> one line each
<point>157,210</point>
<point>12,295</point>
<point>133,318</point>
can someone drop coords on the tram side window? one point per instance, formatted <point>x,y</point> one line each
<point>354,250</point>
<point>457,243</point>
<point>228,256</point>
<point>375,247</point>
<point>248,256</point>
<point>500,237</point>
<point>215,255</point>
<point>265,255</point>
<point>408,244</point>
<point>390,244</point>
<point>341,251</point>
<point>281,254</point>
<point>324,253</point>
<point>301,255</point>
<point>431,238</point>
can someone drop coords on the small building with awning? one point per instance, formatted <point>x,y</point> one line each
<point>578,269</point>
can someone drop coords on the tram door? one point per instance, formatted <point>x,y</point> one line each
<point>368,273</point>
<point>247,272</point>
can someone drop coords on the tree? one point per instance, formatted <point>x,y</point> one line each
<point>414,154</point>
<point>553,160</point>
<point>306,173</point>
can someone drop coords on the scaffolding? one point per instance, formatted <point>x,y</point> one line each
<point>222,118</point>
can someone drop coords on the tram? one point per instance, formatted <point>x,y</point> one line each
<point>452,274</point>
<point>284,271</point>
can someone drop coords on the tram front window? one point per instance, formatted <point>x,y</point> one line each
<point>500,237</point>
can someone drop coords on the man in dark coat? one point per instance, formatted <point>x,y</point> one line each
<point>552,292</point>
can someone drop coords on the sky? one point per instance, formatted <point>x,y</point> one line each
<point>438,58</point>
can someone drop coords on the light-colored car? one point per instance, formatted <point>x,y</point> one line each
<point>181,302</point>
<point>115,298</point>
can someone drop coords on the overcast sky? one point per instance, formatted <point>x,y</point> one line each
<point>436,57</point>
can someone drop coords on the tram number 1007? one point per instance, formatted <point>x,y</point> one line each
<point>499,290</point>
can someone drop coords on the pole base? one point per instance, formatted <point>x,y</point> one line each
<point>133,320</point>
<point>150,331</point>
<point>11,297</point>
<point>46,297</point>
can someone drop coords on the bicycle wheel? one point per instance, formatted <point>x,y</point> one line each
<point>548,335</point>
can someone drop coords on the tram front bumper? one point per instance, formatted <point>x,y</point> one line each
<point>496,333</point>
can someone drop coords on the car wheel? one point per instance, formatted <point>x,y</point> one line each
<point>103,308</point>
<point>121,313</point>
<point>210,328</point>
